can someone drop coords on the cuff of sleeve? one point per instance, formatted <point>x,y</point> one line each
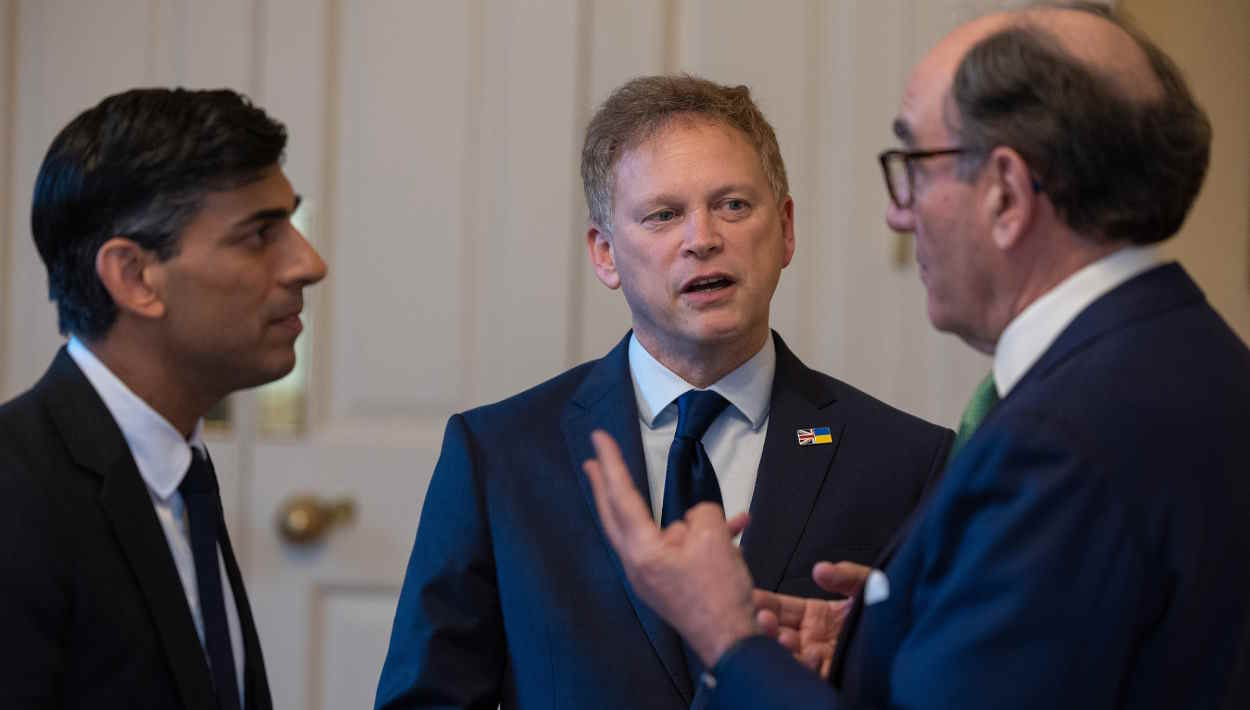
<point>757,672</point>
<point>708,680</point>
<point>726,659</point>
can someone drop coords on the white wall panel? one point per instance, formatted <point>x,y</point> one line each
<point>8,105</point>
<point>203,45</point>
<point>70,55</point>
<point>625,40</point>
<point>876,296</point>
<point>525,236</point>
<point>353,622</point>
<point>398,306</point>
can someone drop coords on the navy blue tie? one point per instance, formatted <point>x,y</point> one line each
<point>689,479</point>
<point>203,503</point>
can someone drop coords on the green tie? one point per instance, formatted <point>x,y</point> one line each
<point>983,400</point>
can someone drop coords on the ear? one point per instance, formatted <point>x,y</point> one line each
<point>787,230</point>
<point>128,274</point>
<point>1010,201</point>
<point>599,245</point>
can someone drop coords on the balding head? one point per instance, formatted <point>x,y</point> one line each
<point>1091,37</point>
<point>1105,47</point>
<point>1102,117</point>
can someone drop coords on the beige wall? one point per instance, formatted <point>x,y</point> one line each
<point>8,50</point>
<point>1210,40</point>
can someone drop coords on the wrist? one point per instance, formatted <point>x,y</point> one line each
<point>724,637</point>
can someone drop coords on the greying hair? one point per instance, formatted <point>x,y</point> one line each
<point>644,106</point>
<point>1114,166</point>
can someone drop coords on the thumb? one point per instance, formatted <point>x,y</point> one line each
<point>841,578</point>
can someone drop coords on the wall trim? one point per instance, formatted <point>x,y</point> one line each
<point>8,150</point>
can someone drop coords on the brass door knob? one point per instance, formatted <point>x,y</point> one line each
<point>305,519</point>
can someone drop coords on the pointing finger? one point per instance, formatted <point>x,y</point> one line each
<point>620,499</point>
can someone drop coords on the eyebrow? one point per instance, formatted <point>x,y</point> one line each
<point>727,189</point>
<point>270,213</point>
<point>665,198</point>
<point>903,131</point>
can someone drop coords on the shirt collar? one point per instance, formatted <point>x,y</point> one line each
<point>1029,334</point>
<point>160,453</point>
<point>748,388</point>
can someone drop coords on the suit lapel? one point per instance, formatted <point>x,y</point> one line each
<point>96,443</point>
<point>605,400</point>
<point>847,633</point>
<point>789,473</point>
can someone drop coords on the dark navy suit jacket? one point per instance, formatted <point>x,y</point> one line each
<point>1089,548</point>
<point>92,611</point>
<point>512,593</point>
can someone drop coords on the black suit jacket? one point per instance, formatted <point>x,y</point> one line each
<point>92,611</point>
<point>1089,547</point>
<point>512,593</point>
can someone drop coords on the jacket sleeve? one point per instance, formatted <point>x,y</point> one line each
<point>759,673</point>
<point>447,646</point>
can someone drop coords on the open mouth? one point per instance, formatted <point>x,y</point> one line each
<point>711,283</point>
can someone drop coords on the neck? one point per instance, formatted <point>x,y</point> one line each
<point>1056,258</point>
<point>151,377</point>
<point>703,364</point>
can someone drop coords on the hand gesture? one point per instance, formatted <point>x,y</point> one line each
<point>809,628</point>
<point>690,573</point>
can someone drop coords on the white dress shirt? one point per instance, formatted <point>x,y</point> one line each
<point>735,439</point>
<point>162,457</point>
<point>1027,337</point>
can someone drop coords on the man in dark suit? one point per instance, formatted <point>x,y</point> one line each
<point>512,595</point>
<point>163,218</point>
<point>1090,545</point>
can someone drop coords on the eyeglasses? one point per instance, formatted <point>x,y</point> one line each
<point>896,165</point>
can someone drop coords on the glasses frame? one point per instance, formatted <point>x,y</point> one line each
<point>907,156</point>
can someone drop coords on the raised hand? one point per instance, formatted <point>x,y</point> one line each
<point>690,573</point>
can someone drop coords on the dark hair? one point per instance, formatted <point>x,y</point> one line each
<point>642,106</point>
<point>138,165</point>
<point>1115,166</point>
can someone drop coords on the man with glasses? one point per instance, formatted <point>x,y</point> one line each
<point>1089,546</point>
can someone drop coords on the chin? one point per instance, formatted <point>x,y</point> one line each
<point>940,320</point>
<point>728,334</point>
<point>715,333</point>
<point>275,369</point>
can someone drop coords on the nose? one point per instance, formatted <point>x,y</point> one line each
<point>900,219</point>
<point>306,265</point>
<point>702,235</point>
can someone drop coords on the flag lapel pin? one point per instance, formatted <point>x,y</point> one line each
<point>815,435</point>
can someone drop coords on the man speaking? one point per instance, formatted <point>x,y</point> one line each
<point>512,595</point>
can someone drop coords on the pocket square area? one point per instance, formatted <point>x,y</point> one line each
<point>877,588</point>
